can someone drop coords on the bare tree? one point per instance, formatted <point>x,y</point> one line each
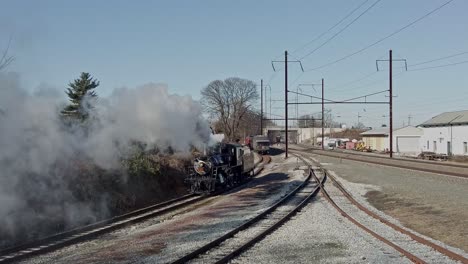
<point>309,121</point>
<point>228,101</point>
<point>6,59</point>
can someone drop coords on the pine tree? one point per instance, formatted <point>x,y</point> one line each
<point>80,92</point>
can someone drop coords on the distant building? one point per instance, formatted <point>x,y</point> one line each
<point>376,139</point>
<point>299,135</point>
<point>446,133</point>
<point>406,140</point>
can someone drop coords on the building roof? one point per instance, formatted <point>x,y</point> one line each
<point>408,131</point>
<point>381,131</point>
<point>448,118</point>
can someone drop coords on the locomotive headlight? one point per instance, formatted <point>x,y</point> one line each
<point>201,167</point>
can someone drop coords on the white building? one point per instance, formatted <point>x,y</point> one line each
<point>446,133</point>
<point>406,140</point>
<point>299,135</point>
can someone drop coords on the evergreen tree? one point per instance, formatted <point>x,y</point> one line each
<point>80,93</point>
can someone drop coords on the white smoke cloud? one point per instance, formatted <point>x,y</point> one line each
<point>36,149</point>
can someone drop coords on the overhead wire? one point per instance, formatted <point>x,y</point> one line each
<point>340,31</point>
<point>382,39</point>
<point>331,28</point>
<point>439,66</point>
<point>354,81</point>
<point>364,96</point>
<point>438,59</point>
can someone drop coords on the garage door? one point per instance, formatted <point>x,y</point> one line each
<point>407,144</point>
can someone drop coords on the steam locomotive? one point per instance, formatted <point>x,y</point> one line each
<point>226,165</point>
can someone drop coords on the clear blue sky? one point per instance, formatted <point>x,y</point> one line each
<point>187,44</point>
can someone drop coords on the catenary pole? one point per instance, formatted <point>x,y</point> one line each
<point>261,107</point>
<point>286,100</point>
<point>323,118</point>
<point>391,105</point>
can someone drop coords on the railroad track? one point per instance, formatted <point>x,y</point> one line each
<point>438,168</point>
<point>84,233</point>
<point>243,237</point>
<point>355,153</point>
<point>90,231</point>
<point>415,237</point>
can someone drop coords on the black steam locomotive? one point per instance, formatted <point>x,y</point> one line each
<point>226,165</point>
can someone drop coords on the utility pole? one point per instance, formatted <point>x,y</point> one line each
<point>297,105</point>
<point>286,93</point>
<point>409,119</point>
<point>323,117</point>
<point>391,104</point>
<point>390,90</point>
<point>358,116</point>
<point>261,107</point>
<point>286,99</point>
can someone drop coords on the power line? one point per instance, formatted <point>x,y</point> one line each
<point>343,29</point>
<point>438,59</point>
<point>439,66</point>
<point>328,30</point>
<point>364,96</point>
<point>354,81</point>
<point>384,38</point>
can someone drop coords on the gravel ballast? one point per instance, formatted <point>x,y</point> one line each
<point>153,241</point>
<point>434,205</point>
<point>321,235</point>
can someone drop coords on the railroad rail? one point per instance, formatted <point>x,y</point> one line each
<point>87,232</point>
<point>417,238</point>
<point>456,170</point>
<point>238,240</point>
<point>438,163</point>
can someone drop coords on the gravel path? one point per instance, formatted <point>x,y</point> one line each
<point>164,240</point>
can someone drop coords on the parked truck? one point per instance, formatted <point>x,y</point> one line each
<point>261,144</point>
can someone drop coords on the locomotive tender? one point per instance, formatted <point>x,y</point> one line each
<point>226,165</point>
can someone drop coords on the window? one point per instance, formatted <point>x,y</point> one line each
<point>465,147</point>
<point>427,145</point>
<point>435,146</point>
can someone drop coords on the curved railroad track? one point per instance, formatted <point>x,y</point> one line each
<point>438,167</point>
<point>453,255</point>
<point>243,237</point>
<point>87,232</point>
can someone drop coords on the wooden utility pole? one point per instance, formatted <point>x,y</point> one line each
<point>261,107</point>
<point>286,100</point>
